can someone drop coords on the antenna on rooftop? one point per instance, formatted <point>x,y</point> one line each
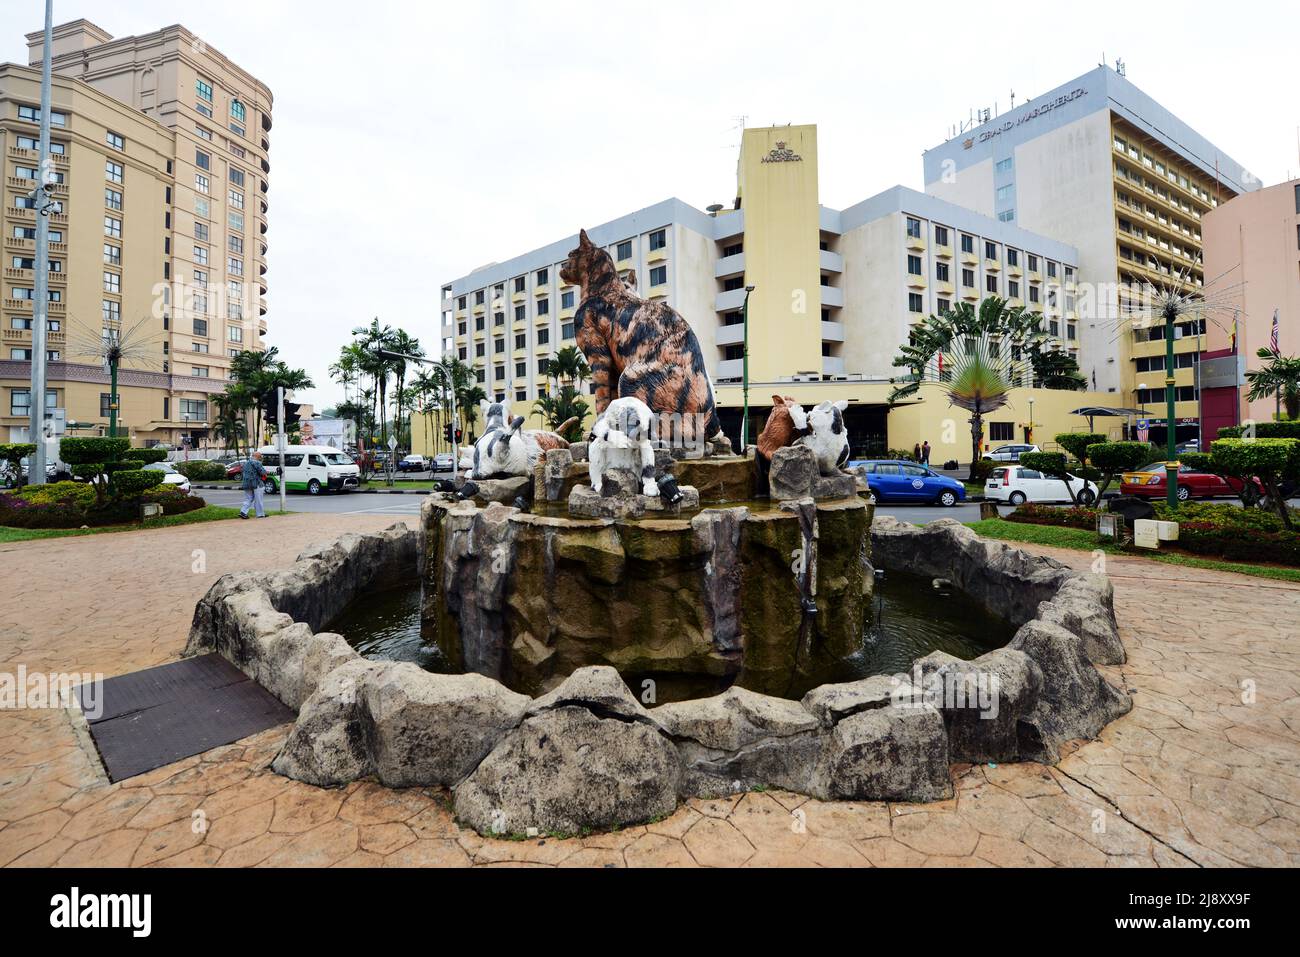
<point>1013,99</point>
<point>1119,67</point>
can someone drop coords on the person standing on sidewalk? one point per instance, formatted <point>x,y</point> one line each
<point>925,452</point>
<point>253,481</point>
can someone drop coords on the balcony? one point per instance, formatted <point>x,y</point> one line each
<point>732,335</point>
<point>915,281</point>
<point>730,300</point>
<point>943,252</point>
<point>657,255</point>
<point>832,297</point>
<point>731,368</point>
<point>992,265</point>
<point>730,266</point>
<point>916,243</point>
<point>832,331</point>
<point>832,365</point>
<point>831,262</point>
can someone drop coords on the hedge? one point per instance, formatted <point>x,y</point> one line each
<point>147,456</point>
<point>93,451</point>
<point>200,470</point>
<point>1264,430</point>
<point>1078,443</point>
<point>135,482</point>
<point>57,506</point>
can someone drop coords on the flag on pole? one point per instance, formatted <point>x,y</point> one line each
<point>1274,341</point>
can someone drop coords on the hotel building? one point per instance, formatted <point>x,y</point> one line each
<point>836,292</point>
<point>1101,165</point>
<point>1252,253</point>
<point>160,147</point>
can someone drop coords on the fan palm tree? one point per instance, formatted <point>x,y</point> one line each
<point>976,358</point>
<point>1279,376</point>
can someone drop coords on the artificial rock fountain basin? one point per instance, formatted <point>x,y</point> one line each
<point>587,754</point>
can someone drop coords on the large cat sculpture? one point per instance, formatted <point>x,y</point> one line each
<point>638,348</point>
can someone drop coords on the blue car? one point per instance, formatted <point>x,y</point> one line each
<point>895,481</point>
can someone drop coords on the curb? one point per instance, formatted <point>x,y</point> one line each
<point>360,491</point>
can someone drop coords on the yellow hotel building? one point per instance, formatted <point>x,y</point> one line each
<point>160,151</point>
<point>835,294</point>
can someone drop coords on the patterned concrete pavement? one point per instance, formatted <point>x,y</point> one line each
<point>1205,771</point>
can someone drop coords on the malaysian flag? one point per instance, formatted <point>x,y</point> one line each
<point>1273,341</point>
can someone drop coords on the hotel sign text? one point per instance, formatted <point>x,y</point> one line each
<point>1040,110</point>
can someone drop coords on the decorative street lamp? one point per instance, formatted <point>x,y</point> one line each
<point>744,373</point>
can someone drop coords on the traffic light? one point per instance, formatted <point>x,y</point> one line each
<point>270,410</point>
<point>291,416</point>
<point>446,432</point>
<point>458,435</point>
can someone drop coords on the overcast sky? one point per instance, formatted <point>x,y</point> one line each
<point>414,142</point>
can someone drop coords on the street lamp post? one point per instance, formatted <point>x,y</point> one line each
<point>1171,440</point>
<point>744,374</point>
<point>41,291</point>
<point>1031,421</point>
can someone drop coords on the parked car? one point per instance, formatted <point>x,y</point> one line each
<point>1017,485</point>
<point>443,461</point>
<point>310,468</point>
<point>898,481</point>
<point>170,475</point>
<point>1149,482</point>
<point>1182,448</point>
<point>413,463</point>
<point>235,469</point>
<point>1010,453</point>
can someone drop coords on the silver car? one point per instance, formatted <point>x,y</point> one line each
<point>1010,453</point>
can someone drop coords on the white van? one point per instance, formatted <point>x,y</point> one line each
<point>310,468</point>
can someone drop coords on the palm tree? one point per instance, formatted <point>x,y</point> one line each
<point>1055,369</point>
<point>403,342</point>
<point>568,366</point>
<point>561,406</point>
<point>1279,376</point>
<point>424,387</point>
<point>231,415</point>
<point>467,403</point>
<point>372,339</point>
<point>976,358</point>
<point>347,369</point>
<point>251,369</point>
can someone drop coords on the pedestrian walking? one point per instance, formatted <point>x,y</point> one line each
<point>253,481</point>
<point>925,453</point>
<point>916,452</point>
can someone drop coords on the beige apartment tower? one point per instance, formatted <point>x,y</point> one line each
<point>160,145</point>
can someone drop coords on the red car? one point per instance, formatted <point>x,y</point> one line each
<point>1192,483</point>
<point>236,469</point>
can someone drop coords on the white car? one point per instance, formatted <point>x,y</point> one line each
<point>1010,453</point>
<point>170,475</point>
<point>1017,485</point>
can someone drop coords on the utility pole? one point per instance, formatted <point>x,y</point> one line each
<point>280,441</point>
<point>451,389</point>
<point>744,375</point>
<point>41,303</point>
<point>1171,440</point>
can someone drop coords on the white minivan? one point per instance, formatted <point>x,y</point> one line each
<point>310,468</point>
<point>1017,485</point>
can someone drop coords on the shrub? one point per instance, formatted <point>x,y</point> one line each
<point>1074,517</point>
<point>133,483</point>
<point>87,456</point>
<point>11,455</point>
<point>147,456</point>
<point>902,455</point>
<point>1287,429</point>
<point>1112,458</point>
<point>77,494</point>
<point>1271,461</point>
<point>1077,443</point>
<point>979,471</point>
<point>201,471</point>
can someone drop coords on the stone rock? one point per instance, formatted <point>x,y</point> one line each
<point>793,470</point>
<point>620,483</point>
<point>503,491</point>
<point>831,703</point>
<point>568,770</point>
<point>432,730</point>
<point>330,742</point>
<point>720,444</point>
<point>722,479</point>
<point>981,701</point>
<point>1085,606</point>
<point>586,502</point>
<point>1076,702</point>
<point>886,754</point>
<point>554,468</point>
<point>578,450</point>
<point>740,740</point>
<point>598,688</point>
<point>835,485</point>
<point>663,459</point>
<point>690,501</point>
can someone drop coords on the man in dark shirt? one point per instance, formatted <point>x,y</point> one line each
<point>253,481</point>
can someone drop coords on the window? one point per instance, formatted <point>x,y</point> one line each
<point>520,283</point>
<point>235,334</point>
<point>237,111</point>
<point>1013,257</point>
<point>566,330</point>
<point>202,207</point>
<point>200,372</point>
<point>1033,294</point>
<point>521,369</point>
<point>112,227</point>
<point>498,345</point>
<point>112,282</point>
<point>201,231</point>
<point>913,228</point>
<point>566,300</point>
<point>941,272</point>
<point>1033,263</point>
<point>1005,193</point>
<point>941,235</point>
<point>205,110</point>
<point>658,239</point>
<point>498,372</point>
<point>236,176</point>
<point>943,305</point>
<point>31,143</point>
<point>203,132</point>
<point>236,220</point>
<point>521,313</point>
<point>543,277</point>
<point>915,302</point>
<point>990,250</point>
<point>235,244</point>
<point>968,278</point>
<point>234,266</point>
<point>112,254</point>
<point>1002,431</point>
<point>479,350</point>
<point>543,366</point>
<point>33,115</point>
<point>200,329</point>
<point>543,336</point>
<point>201,183</point>
<point>1051,270</point>
<point>521,395</point>
<point>116,141</point>
<point>624,250</point>
<point>1004,165</point>
<point>543,307</point>
<point>914,265</point>
<point>202,160</point>
<point>991,284</point>
<point>201,255</point>
<point>112,198</point>
<point>204,89</point>
<point>200,279</point>
<point>234,290</point>
<point>659,275</point>
<point>521,341</point>
<point>236,199</point>
<point>1013,289</point>
<point>20,402</point>
<point>235,311</point>
<point>113,171</point>
<point>112,311</point>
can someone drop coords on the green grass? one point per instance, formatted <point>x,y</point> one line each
<point>1086,541</point>
<point>209,513</point>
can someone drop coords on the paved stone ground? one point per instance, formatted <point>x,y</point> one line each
<point>1204,772</point>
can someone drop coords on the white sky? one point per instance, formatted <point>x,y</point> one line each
<point>414,142</point>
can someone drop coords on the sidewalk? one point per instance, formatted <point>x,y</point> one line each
<point>1203,771</point>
